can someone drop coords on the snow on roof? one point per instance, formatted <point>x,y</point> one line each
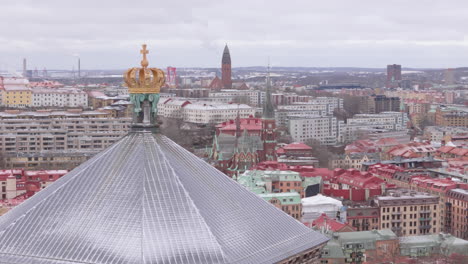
<point>212,106</point>
<point>15,87</point>
<point>320,199</point>
<point>58,91</point>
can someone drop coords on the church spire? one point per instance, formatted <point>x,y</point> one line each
<point>268,110</point>
<point>226,56</point>
<point>226,69</point>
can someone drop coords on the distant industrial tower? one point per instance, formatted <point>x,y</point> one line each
<point>226,69</point>
<point>171,76</point>
<point>393,76</point>
<point>79,68</point>
<point>25,69</point>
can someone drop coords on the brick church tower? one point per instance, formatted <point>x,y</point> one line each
<point>268,125</point>
<point>226,69</point>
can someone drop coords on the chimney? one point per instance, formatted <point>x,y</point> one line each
<point>24,68</point>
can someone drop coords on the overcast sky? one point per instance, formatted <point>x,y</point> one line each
<point>107,34</point>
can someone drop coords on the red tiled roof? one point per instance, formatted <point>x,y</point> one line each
<point>445,149</point>
<point>459,151</point>
<point>280,151</point>
<point>358,179</point>
<point>249,124</point>
<point>386,142</point>
<point>216,83</point>
<point>297,146</point>
<point>328,223</point>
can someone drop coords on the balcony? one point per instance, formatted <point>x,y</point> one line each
<point>396,220</point>
<point>425,218</point>
<point>396,213</point>
<point>425,227</point>
<point>396,228</point>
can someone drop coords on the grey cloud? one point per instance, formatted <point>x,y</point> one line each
<point>184,33</point>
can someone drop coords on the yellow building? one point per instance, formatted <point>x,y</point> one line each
<point>15,92</point>
<point>16,97</point>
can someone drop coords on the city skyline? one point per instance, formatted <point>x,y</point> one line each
<point>334,34</point>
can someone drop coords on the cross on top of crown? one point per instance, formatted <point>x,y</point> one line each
<point>144,61</point>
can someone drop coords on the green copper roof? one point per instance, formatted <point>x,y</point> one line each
<point>285,198</point>
<point>311,181</point>
<point>442,243</point>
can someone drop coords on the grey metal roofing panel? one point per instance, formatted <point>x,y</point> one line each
<point>147,200</point>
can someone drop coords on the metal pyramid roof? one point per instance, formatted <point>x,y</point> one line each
<point>145,199</point>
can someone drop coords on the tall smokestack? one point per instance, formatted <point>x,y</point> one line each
<point>79,68</point>
<point>24,68</point>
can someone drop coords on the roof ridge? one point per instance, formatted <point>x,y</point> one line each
<point>187,194</point>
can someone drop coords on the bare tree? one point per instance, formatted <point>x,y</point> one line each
<point>352,104</point>
<point>241,99</point>
<point>319,151</point>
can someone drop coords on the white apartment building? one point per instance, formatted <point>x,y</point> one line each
<point>397,120</point>
<point>331,102</point>
<point>283,116</point>
<point>209,113</point>
<point>200,112</point>
<point>61,97</point>
<point>326,104</point>
<point>304,107</point>
<point>255,98</point>
<point>367,124</point>
<point>172,107</point>
<point>325,129</point>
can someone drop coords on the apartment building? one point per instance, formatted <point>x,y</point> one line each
<point>409,213</point>
<point>15,92</point>
<point>376,246</point>
<point>352,161</point>
<point>438,133</point>
<point>325,129</point>
<point>48,137</point>
<point>283,189</point>
<point>200,112</point>
<point>254,98</point>
<point>452,115</point>
<point>60,97</point>
<point>397,120</point>
<point>283,116</point>
<point>289,203</point>
<point>288,98</point>
<point>325,104</point>
<point>208,113</point>
<point>363,218</point>
<point>379,103</point>
<point>378,125</point>
<point>457,212</point>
